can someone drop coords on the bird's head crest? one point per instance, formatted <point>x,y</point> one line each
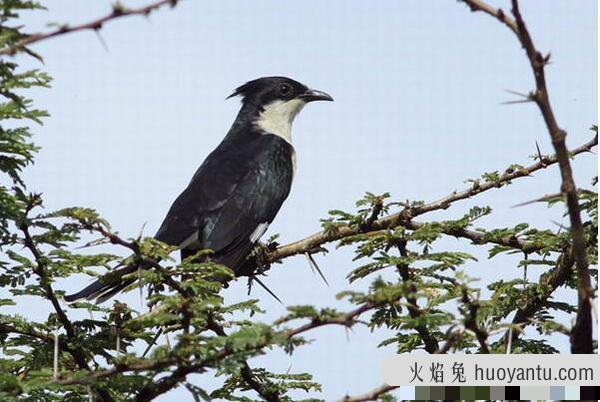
<point>265,90</point>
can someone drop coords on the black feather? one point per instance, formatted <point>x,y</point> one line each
<point>104,284</point>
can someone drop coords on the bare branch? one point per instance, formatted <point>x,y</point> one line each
<point>372,395</point>
<point>476,5</point>
<point>96,25</point>
<point>581,339</point>
<point>348,320</point>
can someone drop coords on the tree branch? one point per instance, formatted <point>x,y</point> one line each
<point>430,342</point>
<point>185,368</point>
<point>548,284</point>
<point>346,320</point>
<point>49,339</point>
<point>246,372</point>
<point>581,338</point>
<point>476,5</point>
<point>372,395</point>
<point>472,306</point>
<point>143,260</point>
<point>404,218</point>
<point>10,329</point>
<point>40,271</point>
<point>117,12</point>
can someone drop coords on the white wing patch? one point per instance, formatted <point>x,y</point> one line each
<point>193,238</point>
<point>293,163</point>
<point>259,231</point>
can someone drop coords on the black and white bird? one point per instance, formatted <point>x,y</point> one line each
<point>236,193</point>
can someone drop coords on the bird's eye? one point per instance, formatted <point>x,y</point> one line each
<point>285,89</point>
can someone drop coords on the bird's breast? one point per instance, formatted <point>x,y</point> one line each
<point>280,161</point>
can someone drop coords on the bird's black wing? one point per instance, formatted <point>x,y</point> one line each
<point>232,199</point>
<point>227,206</point>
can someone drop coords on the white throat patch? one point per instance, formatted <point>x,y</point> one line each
<point>278,116</point>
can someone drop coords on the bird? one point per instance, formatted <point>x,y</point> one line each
<point>240,187</point>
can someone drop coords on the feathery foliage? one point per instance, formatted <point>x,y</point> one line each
<point>404,287</point>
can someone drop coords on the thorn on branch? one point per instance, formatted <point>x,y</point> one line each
<point>526,98</point>
<point>542,158</point>
<point>101,39</point>
<point>315,267</point>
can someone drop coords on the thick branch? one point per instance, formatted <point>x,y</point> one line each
<point>581,339</point>
<point>96,25</point>
<point>404,218</point>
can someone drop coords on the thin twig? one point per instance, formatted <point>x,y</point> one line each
<point>269,395</point>
<point>347,320</point>
<point>430,342</point>
<point>40,271</point>
<point>472,307</point>
<point>96,25</point>
<point>453,337</point>
<point>372,395</point>
<point>548,284</point>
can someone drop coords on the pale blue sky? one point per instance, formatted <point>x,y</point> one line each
<point>418,86</point>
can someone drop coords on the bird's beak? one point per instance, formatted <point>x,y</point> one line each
<point>315,95</point>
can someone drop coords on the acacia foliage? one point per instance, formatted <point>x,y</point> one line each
<point>408,286</point>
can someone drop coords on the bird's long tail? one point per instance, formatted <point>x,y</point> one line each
<point>106,286</point>
<point>112,283</point>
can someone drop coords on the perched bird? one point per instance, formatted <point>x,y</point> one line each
<point>237,191</point>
